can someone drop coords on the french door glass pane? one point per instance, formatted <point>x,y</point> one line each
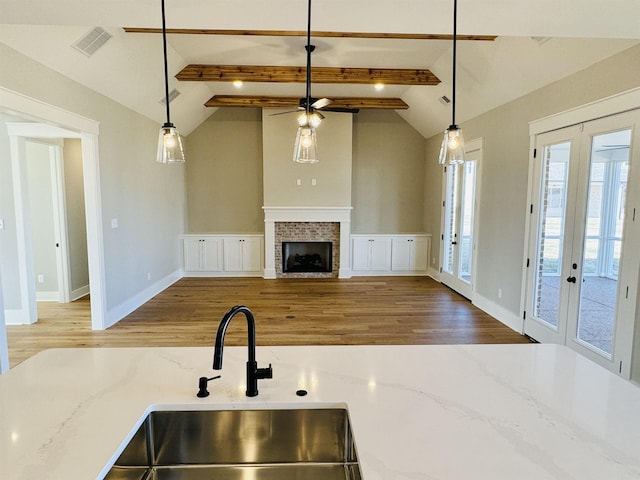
<point>466,240</point>
<point>603,238</point>
<point>451,220</point>
<point>553,200</point>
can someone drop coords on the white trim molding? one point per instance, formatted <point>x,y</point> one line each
<point>613,105</point>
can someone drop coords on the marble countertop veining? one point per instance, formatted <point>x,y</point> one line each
<point>418,412</point>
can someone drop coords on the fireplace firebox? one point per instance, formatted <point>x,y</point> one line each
<point>306,257</point>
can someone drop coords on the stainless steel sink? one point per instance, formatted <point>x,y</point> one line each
<point>240,445</point>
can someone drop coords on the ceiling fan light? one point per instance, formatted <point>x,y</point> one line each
<point>306,147</point>
<point>452,149</point>
<point>309,120</point>
<point>170,149</point>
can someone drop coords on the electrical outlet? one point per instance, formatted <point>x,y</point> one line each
<point>40,278</point>
<point>298,182</point>
<point>114,223</point>
<point>499,293</point>
<point>1,223</point>
<point>148,275</point>
<point>313,182</point>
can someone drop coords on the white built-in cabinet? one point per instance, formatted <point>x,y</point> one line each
<point>410,253</point>
<point>243,254</point>
<point>402,254</point>
<point>223,255</point>
<point>370,253</point>
<point>202,254</point>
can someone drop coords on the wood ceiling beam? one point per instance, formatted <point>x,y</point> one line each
<point>285,74</point>
<point>318,34</point>
<point>269,101</point>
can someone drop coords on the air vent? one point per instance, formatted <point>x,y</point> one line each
<point>172,95</point>
<point>444,100</point>
<point>541,40</point>
<point>92,41</point>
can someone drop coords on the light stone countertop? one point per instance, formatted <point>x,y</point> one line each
<point>418,412</point>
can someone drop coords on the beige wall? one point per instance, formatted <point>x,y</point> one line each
<point>76,219</point>
<point>384,182</point>
<point>332,173</point>
<point>41,214</point>
<point>224,173</point>
<point>388,174</point>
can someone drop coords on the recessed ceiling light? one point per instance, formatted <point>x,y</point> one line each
<point>238,83</point>
<point>379,86</point>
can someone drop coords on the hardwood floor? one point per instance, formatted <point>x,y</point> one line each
<point>357,311</point>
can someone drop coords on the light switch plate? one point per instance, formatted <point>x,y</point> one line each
<point>114,223</point>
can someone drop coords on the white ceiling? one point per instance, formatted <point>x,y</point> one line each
<point>129,67</point>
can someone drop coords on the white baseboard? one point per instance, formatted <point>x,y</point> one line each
<point>434,273</point>
<point>510,319</point>
<point>79,293</point>
<point>47,296</point>
<point>117,313</point>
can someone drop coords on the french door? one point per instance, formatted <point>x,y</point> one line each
<point>459,222</point>
<point>582,263</point>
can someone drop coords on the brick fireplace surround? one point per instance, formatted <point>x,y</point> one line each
<point>307,223</point>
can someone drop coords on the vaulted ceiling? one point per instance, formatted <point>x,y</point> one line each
<point>538,42</point>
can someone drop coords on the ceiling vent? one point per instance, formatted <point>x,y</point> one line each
<point>172,94</point>
<point>92,41</point>
<point>541,40</point>
<point>444,100</point>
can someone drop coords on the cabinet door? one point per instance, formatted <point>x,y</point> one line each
<point>251,254</point>
<point>211,255</point>
<point>232,254</point>
<point>360,253</point>
<point>401,254</point>
<point>380,254</point>
<point>420,254</point>
<point>191,254</point>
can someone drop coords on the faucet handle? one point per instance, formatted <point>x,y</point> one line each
<point>265,372</point>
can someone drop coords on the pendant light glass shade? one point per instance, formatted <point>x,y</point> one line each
<point>452,149</point>
<point>305,149</point>
<point>170,148</point>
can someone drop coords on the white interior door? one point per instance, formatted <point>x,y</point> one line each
<point>459,222</point>
<point>583,268</point>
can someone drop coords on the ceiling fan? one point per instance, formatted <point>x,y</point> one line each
<point>310,106</point>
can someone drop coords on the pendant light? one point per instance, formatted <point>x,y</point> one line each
<point>170,148</point>
<point>305,149</point>
<point>452,149</point>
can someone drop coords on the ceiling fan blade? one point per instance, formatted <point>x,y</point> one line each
<point>341,110</point>
<point>283,113</point>
<point>321,103</point>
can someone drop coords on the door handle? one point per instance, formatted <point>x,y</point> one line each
<point>454,243</point>
<point>571,279</point>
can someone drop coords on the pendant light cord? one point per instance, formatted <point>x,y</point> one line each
<point>455,29</point>
<point>166,71</point>
<point>308,49</point>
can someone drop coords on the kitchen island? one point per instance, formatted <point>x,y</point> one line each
<point>418,412</point>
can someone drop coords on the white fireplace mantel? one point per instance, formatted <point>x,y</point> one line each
<point>341,215</point>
